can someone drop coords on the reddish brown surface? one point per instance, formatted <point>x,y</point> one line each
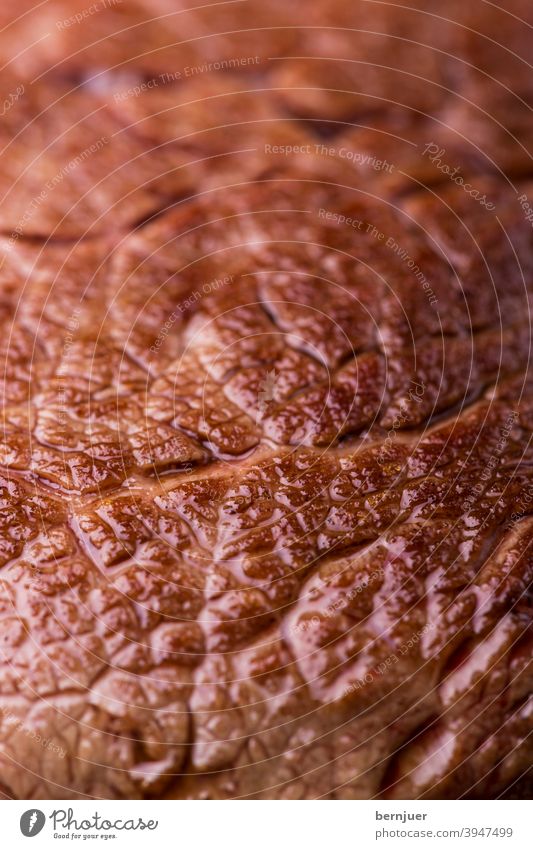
<point>265,455</point>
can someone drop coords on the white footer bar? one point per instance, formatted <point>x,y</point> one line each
<point>269,824</point>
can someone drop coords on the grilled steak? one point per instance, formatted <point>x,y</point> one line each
<point>265,460</point>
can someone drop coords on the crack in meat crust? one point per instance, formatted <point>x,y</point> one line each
<point>265,459</point>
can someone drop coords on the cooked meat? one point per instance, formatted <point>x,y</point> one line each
<point>266,461</point>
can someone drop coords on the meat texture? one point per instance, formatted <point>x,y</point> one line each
<point>265,461</point>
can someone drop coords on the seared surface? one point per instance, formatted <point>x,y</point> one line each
<point>266,457</point>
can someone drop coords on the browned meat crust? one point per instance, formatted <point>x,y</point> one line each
<point>265,462</point>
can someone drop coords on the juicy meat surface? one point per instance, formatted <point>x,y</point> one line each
<point>266,468</point>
